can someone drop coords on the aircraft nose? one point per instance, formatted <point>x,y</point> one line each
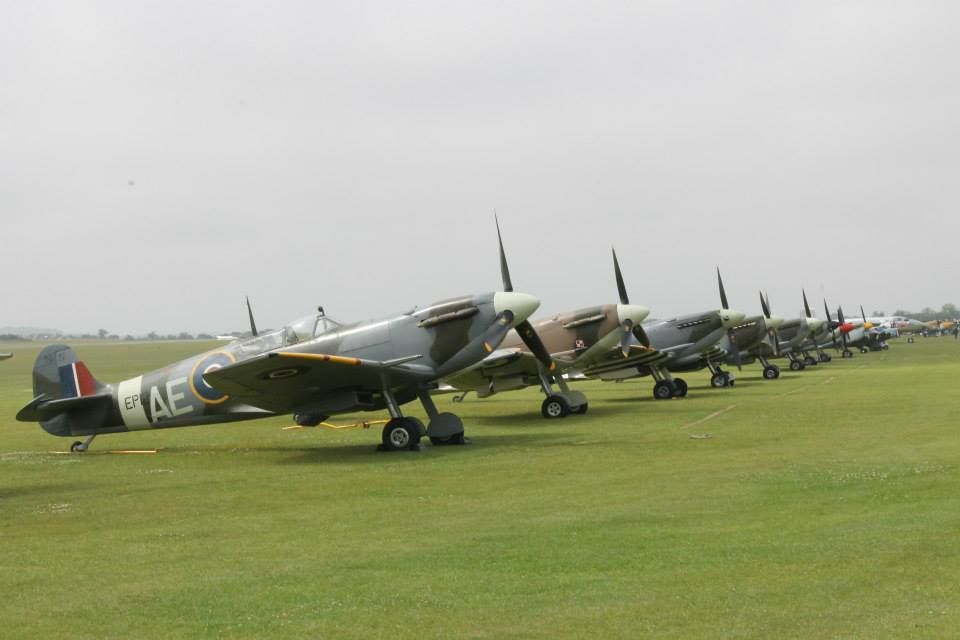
<point>774,322</point>
<point>731,318</point>
<point>814,324</point>
<point>521,304</point>
<point>632,312</point>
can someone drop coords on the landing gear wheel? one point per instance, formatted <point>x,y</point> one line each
<point>719,380</point>
<point>796,365</point>
<point>864,350</point>
<point>772,372</point>
<point>680,388</point>
<point>809,361</point>
<point>579,410</point>
<point>825,357</point>
<point>555,407</point>
<point>662,390</point>
<point>847,353</point>
<point>400,434</point>
<point>77,447</point>
<point>910,340</point>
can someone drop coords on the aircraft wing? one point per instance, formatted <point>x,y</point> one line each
<point>499,365</point>
<point>282,381</point>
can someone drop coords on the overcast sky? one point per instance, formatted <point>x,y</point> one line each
<point>161,160</point>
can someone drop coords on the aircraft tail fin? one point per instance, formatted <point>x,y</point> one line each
<point>64,393</point>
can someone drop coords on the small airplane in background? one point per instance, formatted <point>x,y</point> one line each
<point>5,356</point>
<point>313,368</point>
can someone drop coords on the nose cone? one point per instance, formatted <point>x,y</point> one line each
<point>814,324</point>
<point>632,312</point>
<point>730,318</point>
<point>774,322</point>
<point>522,305</point>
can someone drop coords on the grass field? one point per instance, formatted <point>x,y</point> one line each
<point>825,504</point>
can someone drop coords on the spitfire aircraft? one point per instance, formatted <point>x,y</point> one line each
<point>752,339</point>
<point>793,333</point>
<point>684,343</point>
<point>312,368</point>
<point>573,340</point>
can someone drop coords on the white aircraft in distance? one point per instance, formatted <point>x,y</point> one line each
<point>4,356</point>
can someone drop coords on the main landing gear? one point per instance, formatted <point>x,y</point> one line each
<point>403,433</point>
<point>667,386</point>
<point>770,371</point>
<point>720,378</point>
<point>795,363</point>
<point>80,447</point>
<point>563,404</point>
<point>846,353</point>
<point>825,357</point>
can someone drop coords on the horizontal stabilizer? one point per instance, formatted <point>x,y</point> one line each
<point>41,409</point>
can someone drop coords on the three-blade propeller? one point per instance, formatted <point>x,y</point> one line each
<point>253,325</point>
<point>731,334</point>
<point>631,330</point>
<point>765,305</point>
<point>831,325</point>
<point>525,329</point>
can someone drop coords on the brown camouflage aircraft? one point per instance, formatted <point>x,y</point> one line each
<point>684,343</point>
<point>312,368</point>
<point>574,339</point>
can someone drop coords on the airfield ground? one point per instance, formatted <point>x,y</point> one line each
<point>821,505</point>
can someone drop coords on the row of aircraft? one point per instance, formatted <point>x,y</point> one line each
<point>316,367</point>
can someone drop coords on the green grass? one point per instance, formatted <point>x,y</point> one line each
<point>823,505</point>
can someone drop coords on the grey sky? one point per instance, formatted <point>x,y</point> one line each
<point>160,160</point>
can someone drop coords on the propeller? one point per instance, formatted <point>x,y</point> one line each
<point>731,334</point>
<point>843,334</point>
<point>253,325</point>
<point>765,305</point>
<point>830,325</point>
<point>525,330</point>
<point>806,305</point>
<point>628,325</point>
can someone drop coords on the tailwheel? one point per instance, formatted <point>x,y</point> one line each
<point>77,447</point>
<point>679,388</point>
<point>771,372</point>
<point>400,434</point>
<point>555,407</point>
<point>662,390</point>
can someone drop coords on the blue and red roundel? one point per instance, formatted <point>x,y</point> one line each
<point>210,362</point>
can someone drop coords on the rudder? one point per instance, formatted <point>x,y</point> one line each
<point>58,374</point>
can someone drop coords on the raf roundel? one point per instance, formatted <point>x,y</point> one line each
<point>199,386</point>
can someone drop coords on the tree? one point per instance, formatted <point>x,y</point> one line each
<point>102,333</point>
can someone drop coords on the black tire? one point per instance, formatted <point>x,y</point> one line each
<point>77,447</point>
<point>555,407</point>
<point>400,434</point>
<point>864,350</point>
<point>662,390</point>
<point>719,380</point>
<point>847,353</point>
<point>582,409</point>
<point>796,365</point>
<point>680,388</point>
<point>771,372</point>
<point>825,357</point>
